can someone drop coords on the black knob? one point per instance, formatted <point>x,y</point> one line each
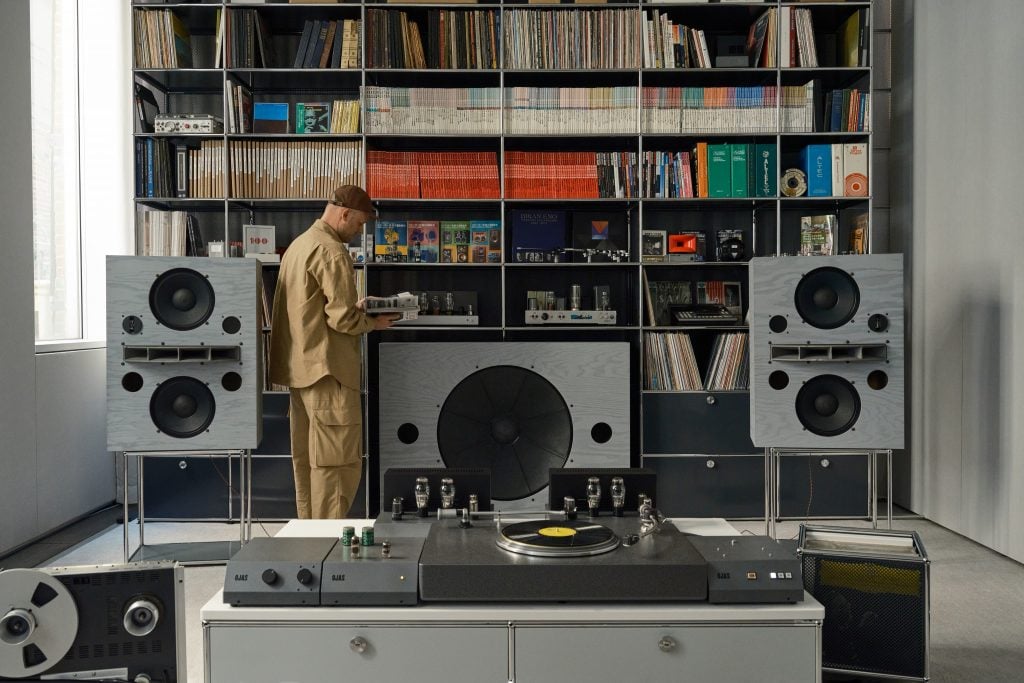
<point>305,577</point>
<point>878,323</point>
<point>269,577</point>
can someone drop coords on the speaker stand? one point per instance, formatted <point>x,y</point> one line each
<point>773,474</point>
<point>196,552</point>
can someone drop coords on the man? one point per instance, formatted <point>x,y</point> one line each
<point>314,350</point>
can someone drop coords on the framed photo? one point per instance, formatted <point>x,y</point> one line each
<point>652,245</point>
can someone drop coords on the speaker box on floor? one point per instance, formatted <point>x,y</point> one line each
<point>121,622</point>
<point>184,353</point>
<point>875,589</point>
<point>826,351</point>
<point>517,409</point>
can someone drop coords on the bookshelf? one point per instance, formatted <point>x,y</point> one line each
<point>542,127</point>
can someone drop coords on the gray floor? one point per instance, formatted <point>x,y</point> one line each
<point>977,595</point>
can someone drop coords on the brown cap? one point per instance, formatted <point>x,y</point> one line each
<point>353,197</point>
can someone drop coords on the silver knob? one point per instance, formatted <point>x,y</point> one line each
<point>710,464</point>
<point>826,463</point>
<point>667,644</point>
<point>358,644</point>
<point>711,400</point>
<point>142,678</point>
<point>141,617</point>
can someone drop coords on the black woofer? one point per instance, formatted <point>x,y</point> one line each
<point>827,405</point>
<point>827,298</point>
<point>181,299</point>
<point>182,407</point>
<point>509,420</point>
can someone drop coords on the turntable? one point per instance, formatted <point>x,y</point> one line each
<point>559,561</point>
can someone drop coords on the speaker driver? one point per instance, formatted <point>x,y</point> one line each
<point>182,407</point>
<point>827,298</point>
<point>181,299</point>
<point>827,405</point>
<point>509,420</point>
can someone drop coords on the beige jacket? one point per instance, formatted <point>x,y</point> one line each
<point>315,324</point>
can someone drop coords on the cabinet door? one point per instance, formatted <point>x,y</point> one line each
<point>670,654</point>
<point>826,485</point>
<point>730,486</point>
<point>697,422</point>
<point>189,487</point>
<point>333,652</point>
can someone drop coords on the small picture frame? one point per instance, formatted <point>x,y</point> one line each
<point>652,245</point>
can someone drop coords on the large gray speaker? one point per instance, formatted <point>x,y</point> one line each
<point>184,353</point>
<point>826,351</point>
<point>517,409</point>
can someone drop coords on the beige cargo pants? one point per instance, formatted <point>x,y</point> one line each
<point>326,434</point>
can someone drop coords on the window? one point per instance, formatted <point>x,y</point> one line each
<point>56,207</point>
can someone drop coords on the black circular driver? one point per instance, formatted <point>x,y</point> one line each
<point>181,299</point>
<point>182,407</point>
<point>827,405</point>
<point>827,298</point>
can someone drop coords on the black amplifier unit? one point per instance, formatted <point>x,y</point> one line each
<point>751,569</point>
<point>572,482</point>
<point>400,482</point>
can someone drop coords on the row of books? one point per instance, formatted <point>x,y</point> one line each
<point>199,172</point>
<point>431,241</point>
<point>796,44</point>
<point>279,169</point>
<point>571,39</point>
<point>327,44</point>
<point>153,168</point>
<point>248,40</point>
<point>847,111</point>
<point>585,111</point>
<point>668,45</point>
<point>432,175</point>
<point>733,169</point>
<point>432,110</point>
<point>454,40</point>
<point>166,233</point>
<point>836,170</point>
<point>671,365</point>
<point>741,109</point>
<point>162,41</point>
<point>586,175</point>
<point>667,174</point>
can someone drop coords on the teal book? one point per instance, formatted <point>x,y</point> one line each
<point>485,241</point>
<point>740,159</point>
<point>719,170</point>
<point>765,175</point>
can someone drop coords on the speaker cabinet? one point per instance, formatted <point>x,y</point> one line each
<point>184,353</point>
<point>517,409</point>
<point>826,351</point>
<point>875,589</point>
<point>125,621</point>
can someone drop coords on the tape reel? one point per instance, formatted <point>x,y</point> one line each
<point>38,622</point>
<point>794,182</point>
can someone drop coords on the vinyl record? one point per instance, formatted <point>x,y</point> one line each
<point>557,538</point>
<point>509,420</point>
<point>38,622</point>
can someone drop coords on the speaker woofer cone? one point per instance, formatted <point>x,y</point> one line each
<point>511,421</point>
<point>827,298</point>
<point>181,299</point>
<point>182,407</point>
<point>828,405</point>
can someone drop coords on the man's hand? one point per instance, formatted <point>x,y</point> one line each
<point>384,321</point>
<point>361,304</point>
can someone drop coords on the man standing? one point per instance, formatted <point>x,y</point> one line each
<point>314,350</point>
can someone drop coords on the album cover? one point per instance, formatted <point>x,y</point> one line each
<point>663,293</point>
<point>599,230</point>
<point>652,245</point>
<point>538,230</point>
<point>423,238</point>
<point>391,241</point>
<point>313,117</point>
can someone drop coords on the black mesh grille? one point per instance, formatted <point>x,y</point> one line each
<point>876,614</point>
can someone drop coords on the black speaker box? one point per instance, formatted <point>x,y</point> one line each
<point>572,481</point>
<point>401,482</point>
<point>875,589</point>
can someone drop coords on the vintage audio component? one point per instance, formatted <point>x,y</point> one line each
<point>400,482</point>
<point>277,571</point>
<point>826,351</point>
<point>793,183</point>
<point>730,245</point>
<point>559,561</point>
<point>515,408</point>
<point>572,481</point>
<point>184,358</point>
<point>404,303</point>
<point>123,622</point>
<point>571,317</point>
<point>445,309</point>
<point>751,569</point>
<point>381,574</point>
<point>188,123</point>
<point>701,314</point>
<point>875,588</point>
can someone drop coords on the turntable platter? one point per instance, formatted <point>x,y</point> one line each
<point>545,538</point>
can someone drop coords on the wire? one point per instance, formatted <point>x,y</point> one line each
<point>236,492</point>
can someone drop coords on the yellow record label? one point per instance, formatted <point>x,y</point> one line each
<point>556,531</point>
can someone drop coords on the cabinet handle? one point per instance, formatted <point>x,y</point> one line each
<point>826,463</point>
<point>711,400</point>
<point>358,644</point>
<point>182,465</point>
<point>667,644</point>
<point>710,464</point>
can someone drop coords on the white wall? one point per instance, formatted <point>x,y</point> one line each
<point>960,115</point>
